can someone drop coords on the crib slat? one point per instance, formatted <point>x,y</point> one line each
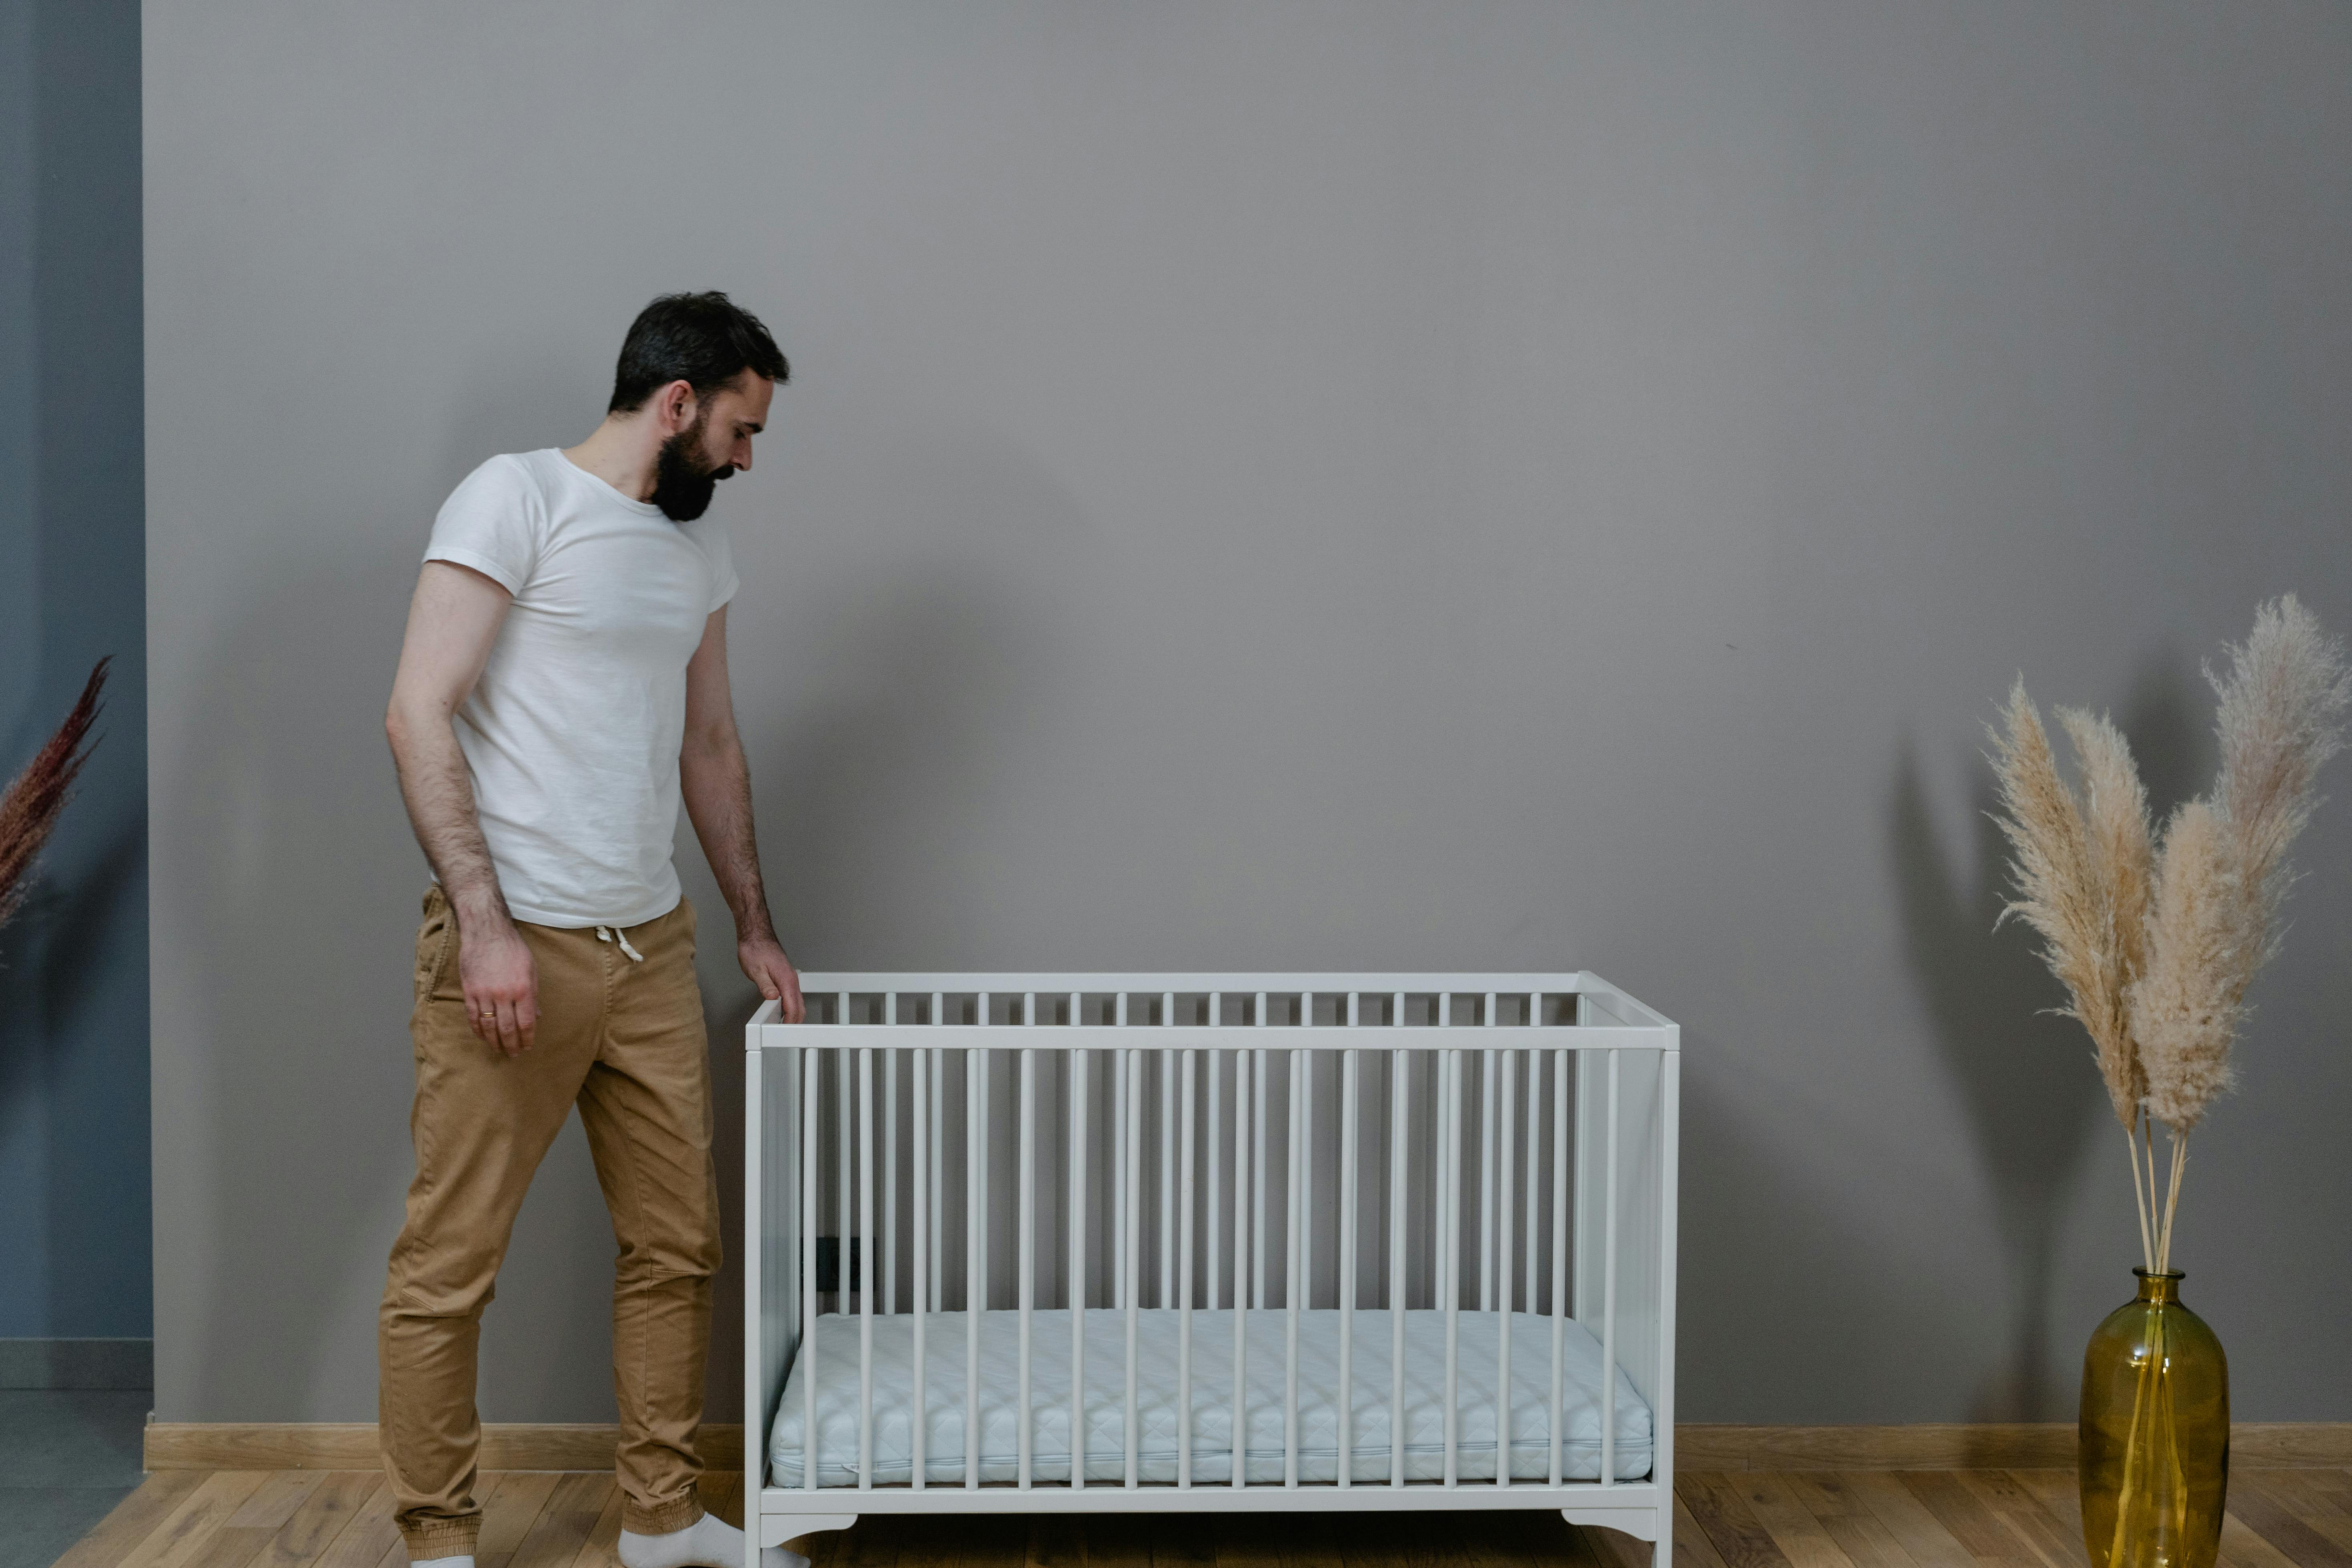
<point>809,1103</point>
<point>1559,1155</point>
<point>938,1158</point>
<point>1306,1163</point>
<point>1078,1261</point>
<point>843,1192</point>
<point>1258,1287</point>
<point>1119,1161</point>
<point>1400,1103</point>
<point>1167,1158</point>
<point>1609,1290</point>
<point>865,1276</point>
<point>1132,1115</point>
<point>1450,1075</point>
<point>1533,1188</point>
<point>1290,1291</point>
<point>1487,1237</point>
<point>1505,1153</point>
<point>1216,1153</point>
<point>1028,1231</point>
<point>1077,1290</point>
<point>919,1137</point>
<point>1187,1073</point>
<point>1347,1260</point>
<point>1239,1429</point>
<point>890,1162</point>
<point>975,1258</point>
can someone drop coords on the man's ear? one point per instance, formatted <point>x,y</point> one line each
<point>675,402</point>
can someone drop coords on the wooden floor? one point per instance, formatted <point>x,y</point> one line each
<point>1749,1519</point>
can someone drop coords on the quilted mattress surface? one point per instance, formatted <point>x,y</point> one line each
<point>1157,1403</point>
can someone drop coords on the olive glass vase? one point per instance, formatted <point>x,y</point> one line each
<point>2155,1433</point>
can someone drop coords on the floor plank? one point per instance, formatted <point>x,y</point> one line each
<point>1691,1548</point>
<point>602,1548</point>
<point>512,1501</point>
<point>364,1543</point>
<point>874,1543</point>
<point>556,1536</point>
<point>722,1496</point>
<point>1913,1525</point>
<point>325,1514</point>
<point>1614,1548</point>
<point>1724,1514</point>
<point>134,1519</point>
<point>1966,1518</point>
<point>1055,1540</point>
<point>2052,1543</point>
<point>2268,1506</point>
<point>2241,1548</point>
<point>2313,1501</point>
<point>190,1526</point>
<point>1800,1537</point>
<point>1976,1519</point>
<point>1544,1539</point>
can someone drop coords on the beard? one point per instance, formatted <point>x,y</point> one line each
<point>683,483</point>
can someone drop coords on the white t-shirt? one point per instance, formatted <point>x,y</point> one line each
<point>572,731</point>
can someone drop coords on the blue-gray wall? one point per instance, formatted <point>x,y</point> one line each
<point>74,1211</point>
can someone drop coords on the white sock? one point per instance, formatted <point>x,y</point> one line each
<point>708,1543</point>
<point>465,1561</point>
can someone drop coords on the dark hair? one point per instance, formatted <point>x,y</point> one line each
<point>703,340</point>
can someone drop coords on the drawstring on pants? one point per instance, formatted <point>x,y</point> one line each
<point>614,933</point>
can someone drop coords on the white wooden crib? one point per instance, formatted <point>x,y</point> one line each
<point>1259,1191</point>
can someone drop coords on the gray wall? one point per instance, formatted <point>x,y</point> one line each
<point>73,967</point>
<point>1295,486</point>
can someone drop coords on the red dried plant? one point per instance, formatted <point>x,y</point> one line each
<point>28,811</point>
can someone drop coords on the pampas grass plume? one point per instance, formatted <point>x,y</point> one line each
<point>2224,873</point>
<point>2184,1008</point>
<point>2058,866</point>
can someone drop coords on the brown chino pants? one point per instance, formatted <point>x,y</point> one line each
<point>623,1040</point>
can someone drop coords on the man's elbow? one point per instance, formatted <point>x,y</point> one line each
<point>713,745</point>
<point>406,721</point>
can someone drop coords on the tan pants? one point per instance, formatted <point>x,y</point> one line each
<point>622,1041</point>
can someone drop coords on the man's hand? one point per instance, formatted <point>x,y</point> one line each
<point>501,987</point>
<point>764,962</point>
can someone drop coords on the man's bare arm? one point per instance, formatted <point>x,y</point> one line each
<point>453,622</point>
<point>717,783</point>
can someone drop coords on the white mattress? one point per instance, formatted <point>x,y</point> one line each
<point>836,1356</point>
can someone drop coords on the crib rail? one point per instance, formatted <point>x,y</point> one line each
<point>1247,1145</point>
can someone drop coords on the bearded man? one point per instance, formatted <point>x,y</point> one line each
<point>562,684</point>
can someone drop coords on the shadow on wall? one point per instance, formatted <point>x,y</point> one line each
<point>2035,1099</point>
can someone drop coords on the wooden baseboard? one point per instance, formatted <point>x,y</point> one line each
<point>330,1445</point>
<point>352,1446</point>
<point>1974,1445</point>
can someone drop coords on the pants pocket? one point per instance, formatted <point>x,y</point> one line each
<point>436,934</point>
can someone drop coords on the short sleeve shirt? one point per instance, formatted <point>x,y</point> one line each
<point>572,734</point>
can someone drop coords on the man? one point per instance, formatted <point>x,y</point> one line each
<point>563,683</point>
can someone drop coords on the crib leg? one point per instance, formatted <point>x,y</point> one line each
<point>775,1528</point>
<point>1641,1524</point>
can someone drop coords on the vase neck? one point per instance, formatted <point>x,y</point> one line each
<point>2159,1286</point>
